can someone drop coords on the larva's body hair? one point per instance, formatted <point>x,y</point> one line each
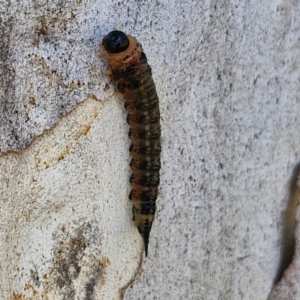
<point>133,78</point>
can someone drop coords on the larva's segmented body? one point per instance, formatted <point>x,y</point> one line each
<point>133,77</point>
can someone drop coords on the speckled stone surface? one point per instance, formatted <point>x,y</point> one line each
<point>228,78</point>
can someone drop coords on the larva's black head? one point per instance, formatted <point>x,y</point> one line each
<point>115,42</point>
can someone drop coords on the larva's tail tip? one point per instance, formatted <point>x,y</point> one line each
<point>145,234</point>
<point>146,249</point>
<point>146,242</point>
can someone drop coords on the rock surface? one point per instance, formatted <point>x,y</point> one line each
<point>228,77</point>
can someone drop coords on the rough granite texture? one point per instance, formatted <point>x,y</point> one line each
<point>228,78</point>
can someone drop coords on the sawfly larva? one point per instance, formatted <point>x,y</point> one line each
<point>133,77</point>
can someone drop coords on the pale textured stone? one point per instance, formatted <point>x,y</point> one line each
<point>228,79</point>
